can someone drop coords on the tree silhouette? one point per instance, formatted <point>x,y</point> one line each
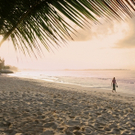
<point>2,63</point>
<point>32,23</point>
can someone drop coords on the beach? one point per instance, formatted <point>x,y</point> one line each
<point>38,107</point>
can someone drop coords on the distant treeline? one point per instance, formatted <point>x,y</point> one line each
<point>91,69</point>
<point>6,67</point>
<point>10,67</point>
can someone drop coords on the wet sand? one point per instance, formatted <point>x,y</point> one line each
<point>33,107</point>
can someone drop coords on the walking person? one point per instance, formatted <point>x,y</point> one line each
<point>114,84</point>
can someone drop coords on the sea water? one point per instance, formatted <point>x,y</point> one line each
<point>100,79</point>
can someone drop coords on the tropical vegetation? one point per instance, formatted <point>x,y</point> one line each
<point>6,68</point>
<point>32,23</point>
<point>2,63</point>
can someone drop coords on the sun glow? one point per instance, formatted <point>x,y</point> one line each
<point>100,51</point>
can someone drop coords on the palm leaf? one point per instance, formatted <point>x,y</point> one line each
<point>32,23</point>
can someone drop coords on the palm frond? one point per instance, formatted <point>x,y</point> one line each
<point>30,23</point>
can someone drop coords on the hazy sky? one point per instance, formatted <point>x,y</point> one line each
<point>109,45</point>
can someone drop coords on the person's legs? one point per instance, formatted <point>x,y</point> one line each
<point>114,88</point>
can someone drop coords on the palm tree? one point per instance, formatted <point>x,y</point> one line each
<point>30,23</point>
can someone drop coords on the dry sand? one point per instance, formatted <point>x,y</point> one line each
<point>32,107</point>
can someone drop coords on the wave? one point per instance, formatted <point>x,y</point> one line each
<point>97,79</point>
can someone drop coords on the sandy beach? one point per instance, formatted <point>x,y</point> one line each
<point>34,107</point>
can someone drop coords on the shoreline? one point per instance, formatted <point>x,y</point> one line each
<point>85,87</point>
<point>120,95</point>
<point>36,107</point>
<point>103,83</point>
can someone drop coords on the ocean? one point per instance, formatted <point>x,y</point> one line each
<point>100,79</point>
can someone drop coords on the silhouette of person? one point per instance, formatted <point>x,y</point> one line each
<point>114,84</point>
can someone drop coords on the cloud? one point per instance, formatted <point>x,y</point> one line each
<point>82,35</point>
<point>129,40</point>
<point>95,31</point>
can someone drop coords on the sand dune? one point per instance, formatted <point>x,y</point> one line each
<point>33,107</point>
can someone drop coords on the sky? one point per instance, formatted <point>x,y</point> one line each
<point>110,45</point>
